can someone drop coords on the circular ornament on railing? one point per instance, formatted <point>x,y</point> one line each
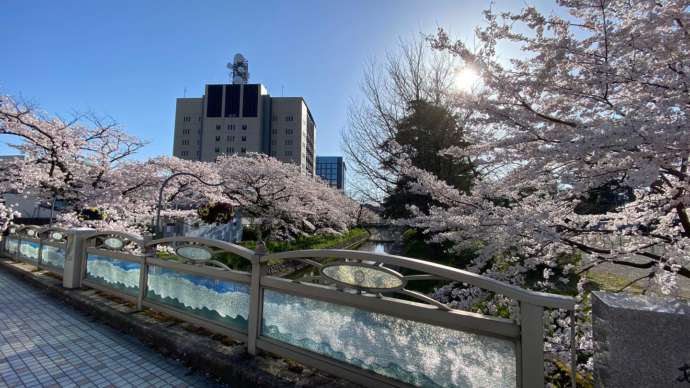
<point>31,232</point>
<point>194,253</point>
<point>56,236</point>
<point>114,243</point>
<point>364,276</point>
<point>13,230</point>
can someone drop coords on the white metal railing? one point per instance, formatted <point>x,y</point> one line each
<point>355,314</point>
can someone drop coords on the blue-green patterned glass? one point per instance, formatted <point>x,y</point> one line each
<point>223,301</point>
<point>415,353</point>
<point>29,250</point>
<point>120,275</point>
<point>53,256</point>
<point>12,245</point>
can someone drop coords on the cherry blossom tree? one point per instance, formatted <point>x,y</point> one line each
<point>599,95</point>
<point>68,159</point>
<point>287,201</point>
<point>85,163</point>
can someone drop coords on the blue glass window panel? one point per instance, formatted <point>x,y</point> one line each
<point>53,256</point>
<point>416,353</point>
<point>29,250</point>
<point>222,301</point>
<point>121,275</point>
<point>214,100</point>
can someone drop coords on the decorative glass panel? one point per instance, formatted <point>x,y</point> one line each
<point>194,253</point>
<point>363,276</point>
<point>12,245</point>
<point>113,243</point>
<point>53,256</point>
<point>29,250</point>
<point>222,301</point>
<point>416,353</point>
<point>121,275</point>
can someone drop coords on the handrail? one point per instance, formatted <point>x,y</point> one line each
<point>129,236</point>
<point>239,250</point>
<point>450,273</point>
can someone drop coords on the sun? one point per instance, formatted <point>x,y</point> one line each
<point>467,79</point>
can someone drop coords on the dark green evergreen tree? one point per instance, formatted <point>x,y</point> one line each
<point>423,133</point>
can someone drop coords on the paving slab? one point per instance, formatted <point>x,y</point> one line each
<point>46,343</point>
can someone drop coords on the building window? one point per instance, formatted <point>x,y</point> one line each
<point>289,131</point>
<point>231,138</point>
<point>288,142</point>
<point>243,150</point>
<point>244,138</point>
<point>274,118</point>
<point>232,100</point>
<point>274,142</point>
<point>185,142</point>
<point>185,131</point>
<point>217,149</point>
<point>244,127</point>
<point>274,131</point>
<point>288,153</point>
<point>185,153</point>
<point>231,127</point>
<point>214,100</point>
<point>250,100</point>
<point>289,118</point>
<point>217,126</point>
<point>187,119</point>
<point>230,150</point>
<point>217,138</point>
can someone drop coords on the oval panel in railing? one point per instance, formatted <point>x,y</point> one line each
<point>57,236</point>
<point>114,243</point>
<point>31,232</point>
<point>194,253</point>
<point>363,276</point>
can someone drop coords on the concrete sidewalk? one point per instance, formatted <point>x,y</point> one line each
<point>46,343</point>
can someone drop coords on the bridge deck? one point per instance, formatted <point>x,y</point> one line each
<point>45,343</point>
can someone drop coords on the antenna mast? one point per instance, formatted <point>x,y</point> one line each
<point>239,70</point>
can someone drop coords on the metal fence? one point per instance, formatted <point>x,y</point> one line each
<point>353,314</point>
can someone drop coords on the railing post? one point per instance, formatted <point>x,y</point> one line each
<point>143,273</point>
<point>39,259</point>
<point>532,340</point>
<point>256,298</point>
<point>75,258</point>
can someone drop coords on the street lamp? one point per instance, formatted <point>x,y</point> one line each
<point>156,229</point>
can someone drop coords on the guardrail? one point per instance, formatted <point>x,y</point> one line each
<point>354,316</point>
<point>43,247</point>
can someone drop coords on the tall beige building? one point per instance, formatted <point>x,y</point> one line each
<point>241,118</point>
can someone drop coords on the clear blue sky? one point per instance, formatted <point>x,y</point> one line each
<point>131,59</point>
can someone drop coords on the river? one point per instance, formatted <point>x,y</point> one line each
<point>375,246</point>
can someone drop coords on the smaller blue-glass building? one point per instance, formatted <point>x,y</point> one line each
<point>332,169</point>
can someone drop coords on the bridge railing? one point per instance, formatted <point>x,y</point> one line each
<point>43,247</point>
<point>351,313</point>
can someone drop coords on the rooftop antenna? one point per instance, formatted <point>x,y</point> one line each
<point>282,91</point>
<point>185,92</point>
<point>239,70</point>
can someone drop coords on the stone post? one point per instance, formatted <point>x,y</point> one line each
<point>640,341</point>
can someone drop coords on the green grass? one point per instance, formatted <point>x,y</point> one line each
<point>613,283</point>
<point>312,242</point>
